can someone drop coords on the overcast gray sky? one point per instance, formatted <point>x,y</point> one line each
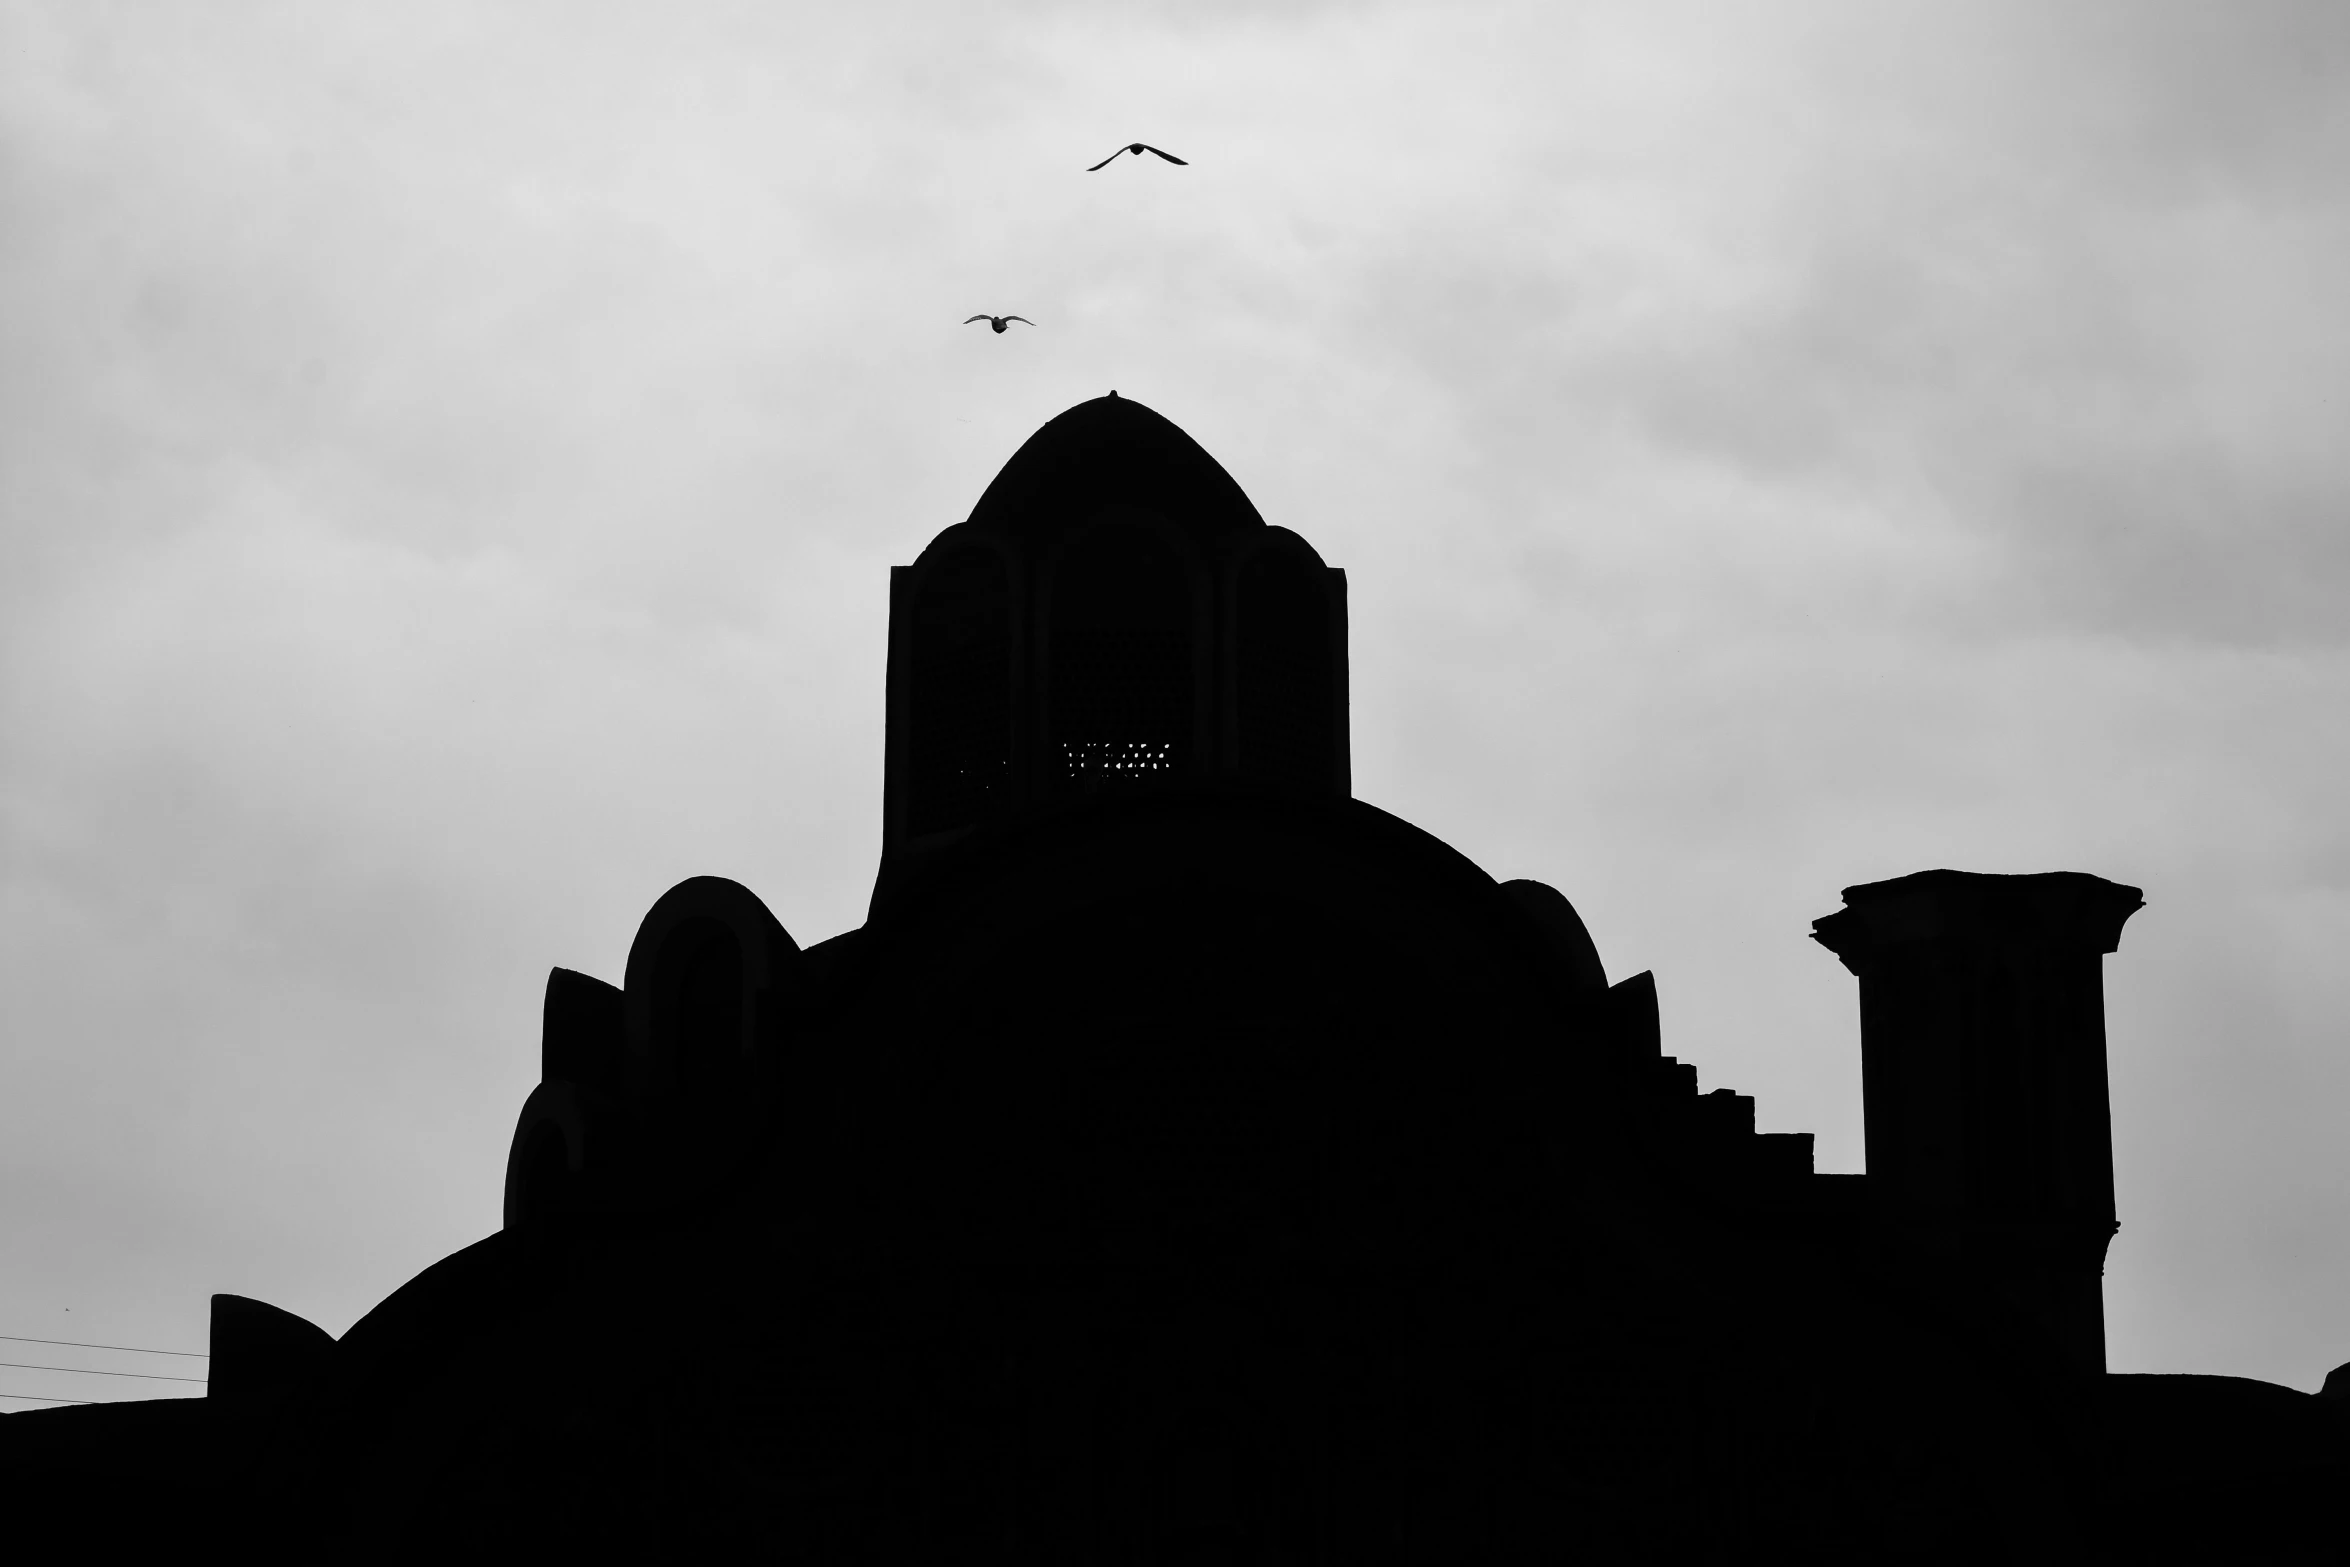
<point>451,455</point>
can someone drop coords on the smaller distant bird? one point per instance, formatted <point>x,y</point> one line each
<point>1138,149</point>
<point>998,321</point>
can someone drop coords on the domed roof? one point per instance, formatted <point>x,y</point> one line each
<point>1109,451</point>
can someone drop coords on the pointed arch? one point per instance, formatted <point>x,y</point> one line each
<point>1122,650</point>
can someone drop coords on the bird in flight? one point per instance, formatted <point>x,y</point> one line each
<point>998,321</point>
<point>1138,149</point>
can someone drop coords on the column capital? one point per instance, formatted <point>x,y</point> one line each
<point>2061,910</point>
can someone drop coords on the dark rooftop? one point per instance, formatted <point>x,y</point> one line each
<point>1108,451</point>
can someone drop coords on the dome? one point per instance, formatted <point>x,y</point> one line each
<point>1114,616</point>
<point>1108,452</point>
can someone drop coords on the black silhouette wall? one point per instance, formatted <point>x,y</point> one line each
<point>1188,1162</point>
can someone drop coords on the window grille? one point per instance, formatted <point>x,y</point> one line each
<point>1101,758</point>
<point>1121,660</point>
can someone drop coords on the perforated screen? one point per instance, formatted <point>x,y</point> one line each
<point>1121,659</point>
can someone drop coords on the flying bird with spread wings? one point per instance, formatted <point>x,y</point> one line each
<point>1138,149</point>
<point>998,321</point>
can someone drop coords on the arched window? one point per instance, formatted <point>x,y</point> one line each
<point>1121,704</point>
<point>960,728</point>
<point>1283,683</point>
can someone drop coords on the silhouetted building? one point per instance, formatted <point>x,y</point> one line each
<point>1190,1163</point>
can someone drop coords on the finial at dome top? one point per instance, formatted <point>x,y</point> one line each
<point>1113,391</point>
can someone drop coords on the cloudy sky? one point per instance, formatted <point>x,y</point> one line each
<point>451,455</point>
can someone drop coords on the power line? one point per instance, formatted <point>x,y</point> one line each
<point>38,1399</point>
<point>77,1371</point>
<point>130,1348</point>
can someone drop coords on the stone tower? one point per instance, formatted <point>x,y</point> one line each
<point>1983,1080</point>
